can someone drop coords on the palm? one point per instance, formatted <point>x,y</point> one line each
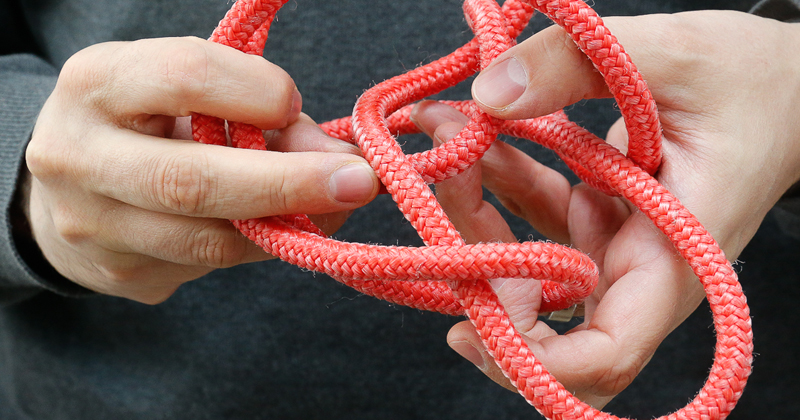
<point>729,154</point>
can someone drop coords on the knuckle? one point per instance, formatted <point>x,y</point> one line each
<point>89,76</point>
<point>184,69</point>
<point>184,184</point>
<point>127,282</point>
<point>122,276</point>
<point>58,150</point>
<point>130,279</point>
<point>70,226</point>
<point>41,160</point>
<point>80,72</point>
<point>277,192</point>
<point>218,246</point>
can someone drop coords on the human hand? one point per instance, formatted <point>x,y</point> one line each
<point>727,94</point>
<point>124,204</point>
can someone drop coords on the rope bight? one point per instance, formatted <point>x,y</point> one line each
<point>450,276</point>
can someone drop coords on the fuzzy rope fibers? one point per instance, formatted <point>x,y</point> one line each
<point>450,276</point>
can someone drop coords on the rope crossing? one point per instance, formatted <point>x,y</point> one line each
<point>449,276</point>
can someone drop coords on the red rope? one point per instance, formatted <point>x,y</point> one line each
<point>451,277</point>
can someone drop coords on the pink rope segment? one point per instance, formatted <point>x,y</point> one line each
<point>450,276</point>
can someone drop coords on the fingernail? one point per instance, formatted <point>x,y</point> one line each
<point>297,106</point>
<point>500,85</point>
<point>467,351</point>
<point>352,183</point>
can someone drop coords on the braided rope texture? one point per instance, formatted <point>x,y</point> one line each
<point>449,276</point>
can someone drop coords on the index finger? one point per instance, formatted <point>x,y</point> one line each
<point>178,76</point>
<point>193,179</point>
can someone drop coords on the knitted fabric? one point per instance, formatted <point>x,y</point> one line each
<point>449,276</point>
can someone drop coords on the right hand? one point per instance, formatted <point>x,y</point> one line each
<point>731,149</point>
<point>121,203</point>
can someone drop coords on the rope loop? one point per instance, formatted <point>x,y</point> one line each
<point>449,276</point>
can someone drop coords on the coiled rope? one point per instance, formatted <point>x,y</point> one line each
<point>449,276</point>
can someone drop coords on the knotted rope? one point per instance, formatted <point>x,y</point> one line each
<point>449,276</point>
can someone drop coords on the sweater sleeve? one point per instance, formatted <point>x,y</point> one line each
<point>25,83</point>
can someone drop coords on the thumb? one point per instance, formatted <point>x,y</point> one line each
<point>548,72</point>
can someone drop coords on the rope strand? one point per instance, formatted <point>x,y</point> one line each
<point>450,276</point>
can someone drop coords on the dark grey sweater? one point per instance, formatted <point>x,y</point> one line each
<point>271,341</point>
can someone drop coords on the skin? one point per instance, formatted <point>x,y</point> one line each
<point>728,96</point>
<point>122,203</point>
